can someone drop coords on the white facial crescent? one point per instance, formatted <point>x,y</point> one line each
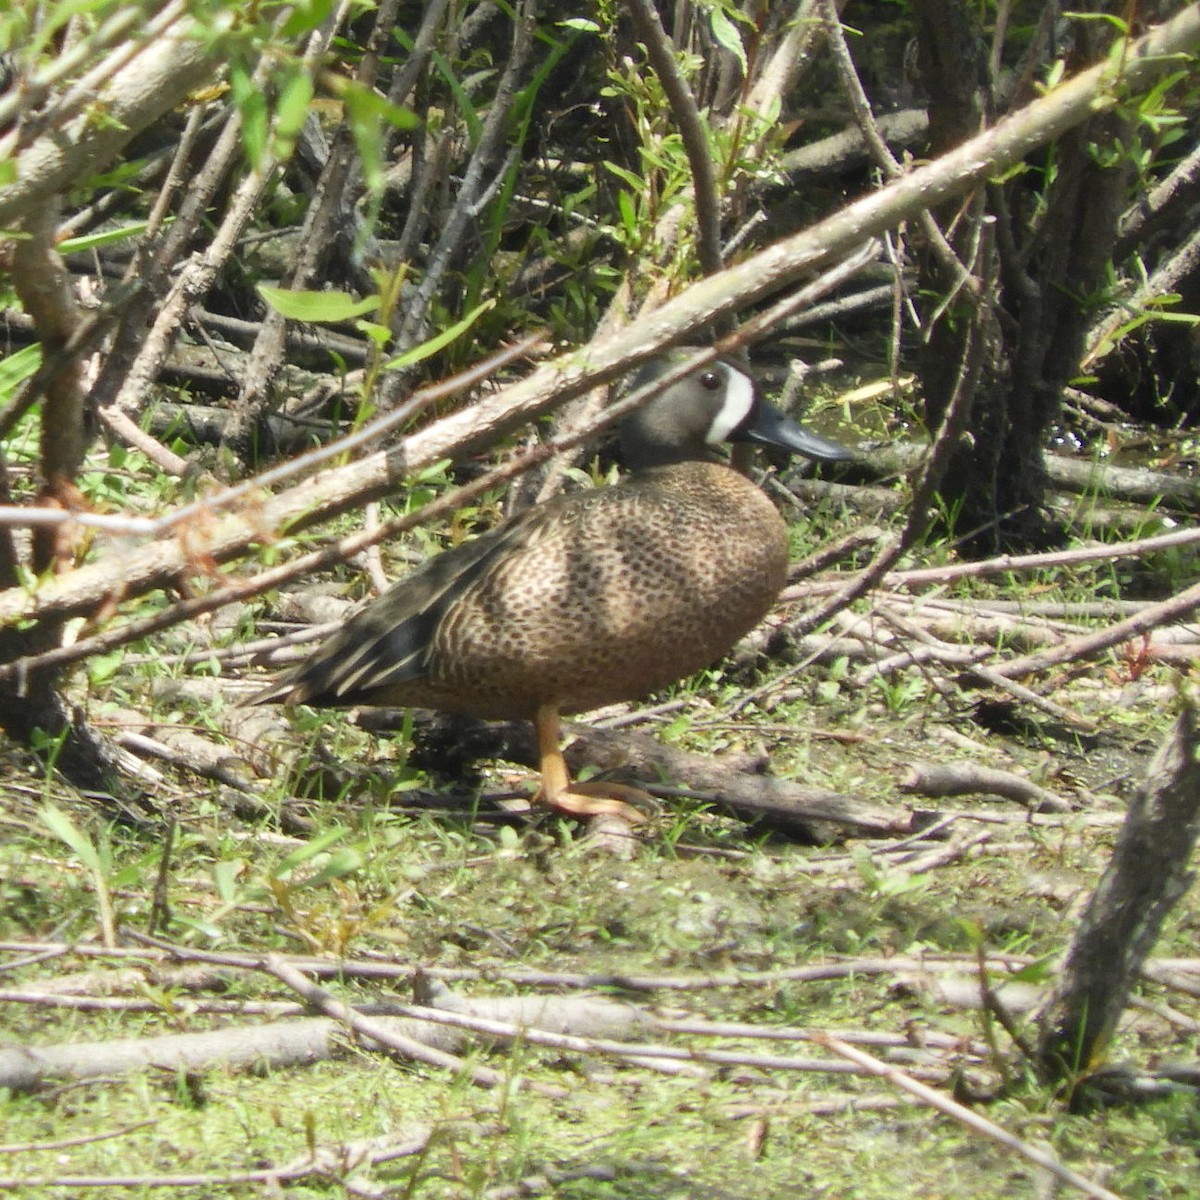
<point>739,400</point>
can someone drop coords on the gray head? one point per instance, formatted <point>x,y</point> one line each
<point>717,403</point>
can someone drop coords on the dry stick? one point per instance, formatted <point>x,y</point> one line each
<point>959,778</point>
<point>193,281</point>
<point>1150,617</point>
<point>82,94</point>
<point>90,329</point>
<point>325,1163</point>
<point>930,649</point>
<point>266,648</point>
<point>953,425</point>
<point>636,1051</point>
<point>1171,1015</point>
<point>513,1031</point>
<point>663,58</point>
<point>421,399</point>
<point>197,278</point>
<point>365,969</point>
<point>41,279</point>
<point>471,193</point>
<point>138,355</point>
<point>118,201</point>
<point>932,1038</point>
<point>157,949</point>
<point>165,70</point>
<point>316,234</point>
<point>1089,646</point>
<point>33,960</point>
<point>410,1048</point>
<point>860,106</point>
<point>997,679</point>
<point>36,516</point>
<point>85,1140</point>
<point>177,172</point>
<point>1146,877</point>
<point>35,88</point>
<point>418,55</point>
<point>197,198</point>
<point>964,1116</point>
<point>1171,275</point>
<point>1052,558</point>
<point>922,576</point>
<point>275,1009</point>
<point>1014,618</point>
<point>780,74</point>
<point>1181,182</point>
<point>132,434</point>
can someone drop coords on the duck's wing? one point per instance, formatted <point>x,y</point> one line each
<point>388,642</point>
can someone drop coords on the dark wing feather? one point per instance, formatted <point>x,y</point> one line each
<point>388,642</point>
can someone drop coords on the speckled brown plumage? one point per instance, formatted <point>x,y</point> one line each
<point>592,598</point>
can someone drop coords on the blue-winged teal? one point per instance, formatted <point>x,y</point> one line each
<point>590,598</point>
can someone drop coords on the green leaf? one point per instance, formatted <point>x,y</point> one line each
<point>251,103</point>
<point>201,926</point>
<point>442,340</point>
<point>580,23</point>
<point>316,306</point>
<point>363,103</point>
<point>379,334</point>
<point>225,876</point>
<point>291,112</point>
<point>18,367</point>
<point>104,237</point>
<point>727,35</point>
<point>1039,971</point>
<point>473,121</point>
<point>67,831</point>
<point>305,17</point>
<point>310,850</point>
<point>636,182</point>
<point>344,861</point>
<point>628,213</point>
<point>102,667</point>
<point>368,112</point>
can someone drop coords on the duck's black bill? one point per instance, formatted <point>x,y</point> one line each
<point>767,426</point>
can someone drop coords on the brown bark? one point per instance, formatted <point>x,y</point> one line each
<point>1147,875</point>
<point>42,282</point>
<point>1049,253</point>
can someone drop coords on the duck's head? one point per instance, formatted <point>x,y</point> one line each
<point>716,404</point>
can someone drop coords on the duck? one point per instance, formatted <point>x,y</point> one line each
<point>590,598</point>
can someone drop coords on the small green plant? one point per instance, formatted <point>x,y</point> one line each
<point>899,692</point>
<point>889,883</point>
<point>96,860</point>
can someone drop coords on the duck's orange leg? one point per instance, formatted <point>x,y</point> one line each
<point>581,799</point>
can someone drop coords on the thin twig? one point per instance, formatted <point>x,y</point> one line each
<point>964,1116</point>
<point>365,1027</point>
<point>691,129</point>
<point>84,1140</point>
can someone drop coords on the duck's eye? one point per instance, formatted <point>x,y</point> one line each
<point>711,380</point>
